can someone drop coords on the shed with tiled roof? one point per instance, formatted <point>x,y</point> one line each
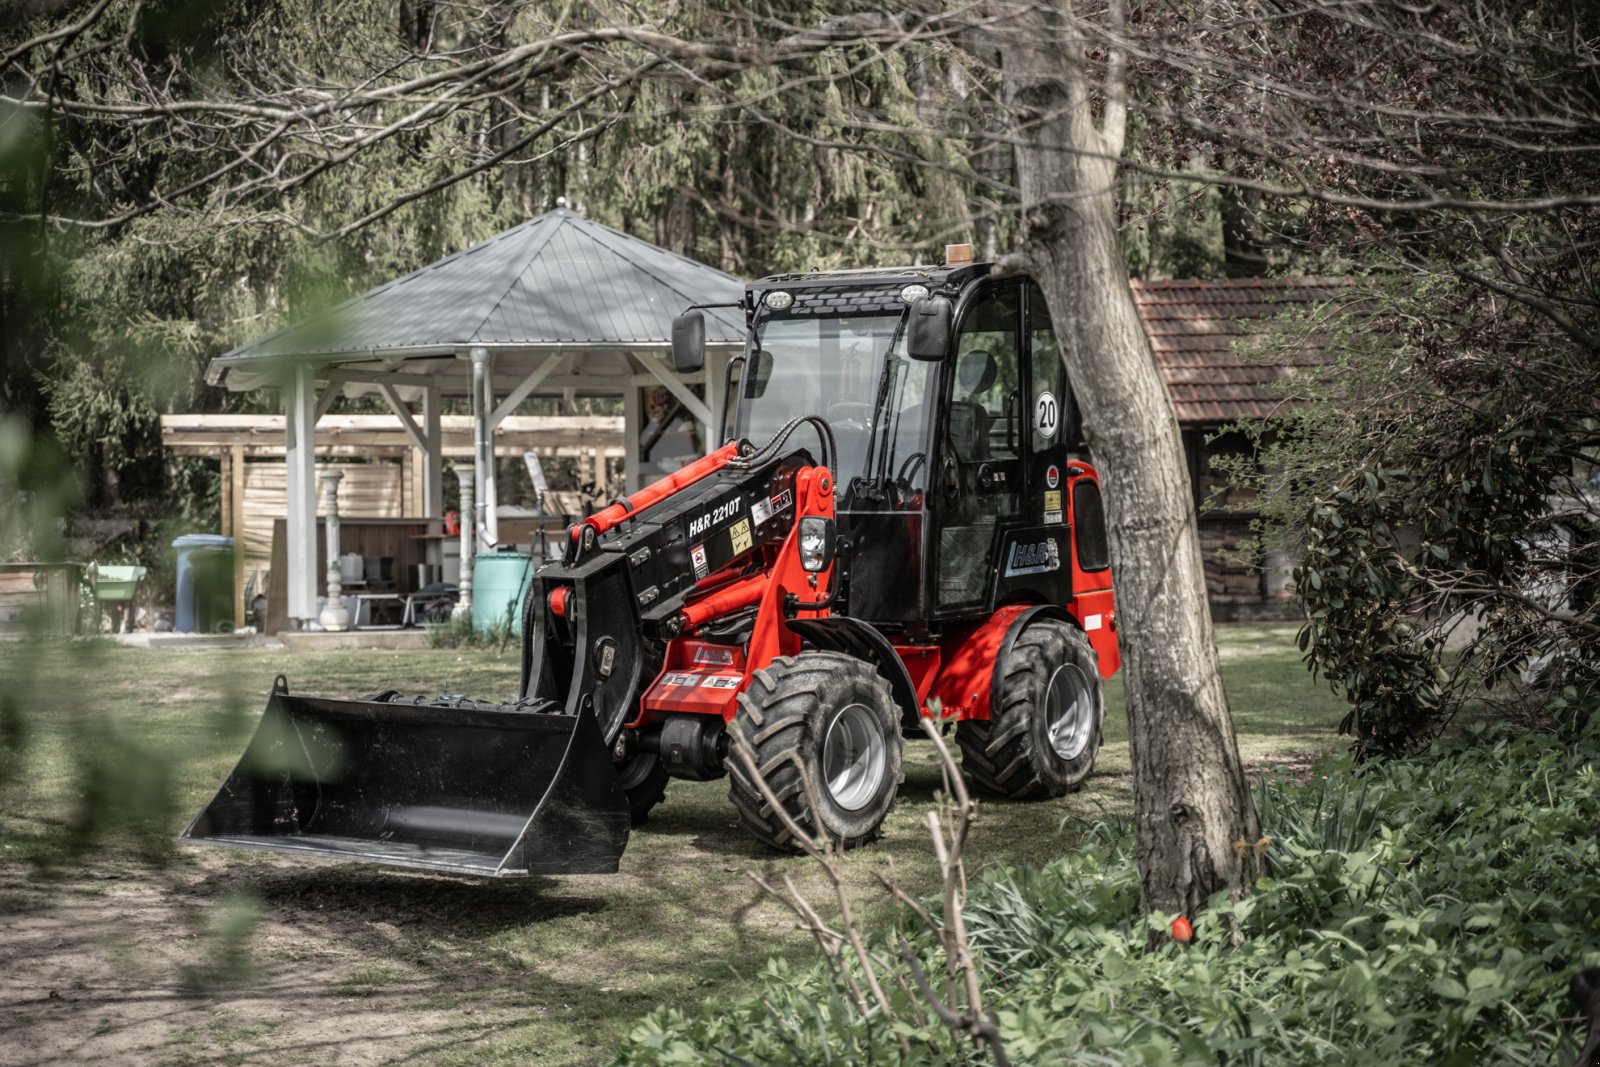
<point>1200,333</point>
<point>1194,327</point>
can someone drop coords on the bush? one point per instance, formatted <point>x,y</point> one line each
<point>1436,482</point>
<point>1427,910</point>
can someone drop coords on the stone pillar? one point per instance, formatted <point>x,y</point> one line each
<point>334,616</point>
<point>469,543</point>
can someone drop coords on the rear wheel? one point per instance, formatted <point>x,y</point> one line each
<point>832,716</point>
<point>1042,739</point>
<point>643,778</point>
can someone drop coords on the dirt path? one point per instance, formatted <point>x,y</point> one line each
<point>324,964</point>
<point>115,970</point>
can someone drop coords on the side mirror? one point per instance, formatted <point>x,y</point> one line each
<point>759,370</point>
<point>928,332</point>
<point>689,342</point>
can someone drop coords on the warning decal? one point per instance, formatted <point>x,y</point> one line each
<point>740,533</point>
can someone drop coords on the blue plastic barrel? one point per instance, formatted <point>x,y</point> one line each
<point>205,583</point>
<point>499,582</point>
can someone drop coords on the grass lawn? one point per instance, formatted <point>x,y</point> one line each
<point>132,951</point>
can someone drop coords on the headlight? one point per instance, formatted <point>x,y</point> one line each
<point>778,300</point>
<point>816,543</point>
<point>914,292</point>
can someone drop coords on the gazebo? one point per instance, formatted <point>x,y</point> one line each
<point>559,305</point>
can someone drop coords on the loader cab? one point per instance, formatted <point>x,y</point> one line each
<point>951,472</point>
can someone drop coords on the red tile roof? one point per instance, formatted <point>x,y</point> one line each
<point>1193,324</point>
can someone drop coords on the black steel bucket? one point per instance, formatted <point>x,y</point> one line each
<point>495,790</point>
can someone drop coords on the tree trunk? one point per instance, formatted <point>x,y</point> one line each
<point>1195,820</point>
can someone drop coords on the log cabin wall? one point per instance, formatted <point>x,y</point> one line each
<point>1223,348</point>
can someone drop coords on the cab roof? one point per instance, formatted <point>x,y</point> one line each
<point>940,276</point>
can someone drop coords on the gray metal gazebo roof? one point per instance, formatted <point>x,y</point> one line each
<point>558,304</point>
<point>558,281</point>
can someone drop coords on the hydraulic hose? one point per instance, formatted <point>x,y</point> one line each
<point>771,449</point>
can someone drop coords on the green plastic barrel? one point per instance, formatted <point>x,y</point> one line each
<point>499,582</point>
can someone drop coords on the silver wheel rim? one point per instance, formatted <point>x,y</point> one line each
<point>1068,712</point>
<point>854,757</point>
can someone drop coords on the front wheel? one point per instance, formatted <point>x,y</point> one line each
<point>1042,739</point>
<point>827,717</point>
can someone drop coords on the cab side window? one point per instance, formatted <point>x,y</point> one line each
<point>983,397</point>
<point>1052,411</point>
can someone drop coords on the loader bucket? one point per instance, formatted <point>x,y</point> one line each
<point>466,787</point>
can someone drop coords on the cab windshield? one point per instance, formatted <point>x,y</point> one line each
<point>851,370</point>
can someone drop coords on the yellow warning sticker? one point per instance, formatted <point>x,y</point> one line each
<point>1052,500</point>
<point>740,532</point>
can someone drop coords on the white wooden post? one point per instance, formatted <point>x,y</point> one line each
<point>300,518</point>
<point>488,525</point>
<point>432,456</point>
<point>632,427</point>
<point>334,615</point>
<point>716,369</point>
<point>469,544</point>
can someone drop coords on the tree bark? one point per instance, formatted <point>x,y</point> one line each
<point>1196,823</point>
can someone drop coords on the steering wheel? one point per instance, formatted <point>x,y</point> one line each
<point>849,413</point>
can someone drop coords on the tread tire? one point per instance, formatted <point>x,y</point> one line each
<point>643,778</point>
<point>1009,755</point>
<point>782,718</point>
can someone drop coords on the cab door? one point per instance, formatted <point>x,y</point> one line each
<point>981,448</point>
<point>1033,563</point>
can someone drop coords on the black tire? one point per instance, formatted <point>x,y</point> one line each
<point>813,710</point>
<point>644,779</point>
<point>1012,754</point>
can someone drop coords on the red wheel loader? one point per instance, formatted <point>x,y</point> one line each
<point>894,525</point>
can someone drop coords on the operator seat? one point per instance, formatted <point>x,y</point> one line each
<point>969,419</point>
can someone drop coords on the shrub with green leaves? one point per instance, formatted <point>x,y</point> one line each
<point>1428,910</point>
<point>1438,484</point>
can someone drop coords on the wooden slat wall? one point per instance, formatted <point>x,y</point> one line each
<point>367,491</point>
<point>401,539</point>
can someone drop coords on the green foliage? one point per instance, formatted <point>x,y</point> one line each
<point>1436,483</point>
<point>36,492</point>
<point>1421,911</point>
